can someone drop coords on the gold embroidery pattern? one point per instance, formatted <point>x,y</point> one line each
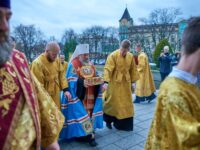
<point>51,118</point>
<point>5,104</point>
<point>9,86</point>
<point>24,133</point>
<point>87,126</point>
<point>87,71</point>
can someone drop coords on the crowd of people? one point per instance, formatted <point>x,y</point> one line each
<point>52,99</point>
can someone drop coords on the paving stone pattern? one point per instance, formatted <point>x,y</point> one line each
<point>120,140</point>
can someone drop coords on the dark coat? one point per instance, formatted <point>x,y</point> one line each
<point>165,63</point>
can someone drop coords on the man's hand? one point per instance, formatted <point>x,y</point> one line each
<point>105,87</point>
<point>53,146</point>
<point>162,54</point>
<point>67,95</point>
<point>86,84</point>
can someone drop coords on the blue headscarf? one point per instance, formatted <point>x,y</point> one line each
<point>5,3</point>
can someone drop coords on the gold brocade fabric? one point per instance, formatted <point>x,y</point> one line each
<point>176,123</point>
<point>51,123</point>
<point>119,72</point>
<point>145,85</point>
<point>52,119</point>
<point>24,134</point>
<point>51,75</point>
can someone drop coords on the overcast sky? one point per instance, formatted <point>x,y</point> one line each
<point>53,17</point>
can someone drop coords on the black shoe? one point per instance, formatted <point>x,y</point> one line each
<point>93,143</point>
<point>116,126</point>
<point>84,139</point>
<point>81,139</point>
<point>108,125</point>
<point>152,97</point>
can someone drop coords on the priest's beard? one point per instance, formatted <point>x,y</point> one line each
<point>5,48</point>
<point>50,59</point>
<point>85,62</point>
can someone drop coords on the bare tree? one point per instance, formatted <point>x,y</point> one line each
<point>30,40</point>
<point>111,41</point>
<point>140,35</point>
<point>68,35</point>
<point>162,23</point>
<point>69,42</point>
<point>52,38</point>
<point>101,40</point>
<point>93,36</point>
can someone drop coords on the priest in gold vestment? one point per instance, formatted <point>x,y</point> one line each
<point>119,75</point>
<point>50,73</point>
<point>29,119</point>
<point>145,86</point>
<point>176,123</point>
<point>63,62</point>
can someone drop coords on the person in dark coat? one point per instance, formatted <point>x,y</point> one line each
<point>165,63</point>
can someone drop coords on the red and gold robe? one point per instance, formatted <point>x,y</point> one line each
<point>28,116</point>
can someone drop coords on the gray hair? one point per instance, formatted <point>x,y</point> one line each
<point>5,52</point>
<point>166,47</point>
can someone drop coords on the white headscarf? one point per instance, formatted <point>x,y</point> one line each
<point>80,49</point>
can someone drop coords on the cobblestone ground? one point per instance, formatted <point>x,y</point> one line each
<point>120,140</point>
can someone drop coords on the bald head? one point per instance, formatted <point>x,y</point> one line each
<point>51,50</point>
<point>51,46</point>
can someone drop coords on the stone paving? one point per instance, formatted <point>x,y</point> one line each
<point>120,140</point>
